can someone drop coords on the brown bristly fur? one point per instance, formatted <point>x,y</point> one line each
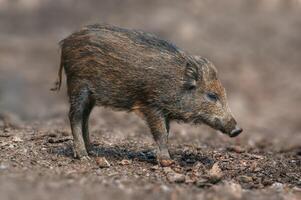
<point>136,71</point>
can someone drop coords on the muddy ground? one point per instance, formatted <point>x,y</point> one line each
<point>256,48</point>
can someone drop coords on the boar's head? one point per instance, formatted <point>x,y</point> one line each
<point>204,99</point>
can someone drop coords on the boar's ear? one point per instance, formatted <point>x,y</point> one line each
<point>209,72</point>
<point>191,75</point>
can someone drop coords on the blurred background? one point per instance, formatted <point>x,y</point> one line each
<point>256,46</point>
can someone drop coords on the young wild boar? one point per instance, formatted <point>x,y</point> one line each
<point>136,71</point>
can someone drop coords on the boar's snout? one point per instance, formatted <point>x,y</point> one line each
<point>232,129</point>
<point>235,132</point>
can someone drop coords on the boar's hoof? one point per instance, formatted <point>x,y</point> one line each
<point>166,162</point>
<point>85,158</point>
<point>80,153</point>
<point>163,158</point>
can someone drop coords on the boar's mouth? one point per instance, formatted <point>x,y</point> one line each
<point>215,123</point>
<point>218,125</point>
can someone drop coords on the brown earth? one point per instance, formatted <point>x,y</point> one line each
<point>37,163</point>
<point>256,48</point>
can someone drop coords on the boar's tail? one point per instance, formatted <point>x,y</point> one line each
<point>58,82</point>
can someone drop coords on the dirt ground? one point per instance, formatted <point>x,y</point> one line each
<point>37,163</point>
<point>256,47</point>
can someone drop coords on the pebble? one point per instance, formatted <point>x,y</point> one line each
<point>255,156</point>
<point>215,173</point>
<point>125,162</point>
<point>165,188</point>
<point>188,180</point>
<point>203,182</point>
<point>156,167</point>
<point>3,166</point>
<point>17,139</point>
<point>277,186</point>
<point>245,179</point>
<point>175,178</point>
<point>227,190</point>
<point>236,149</point>
<point>102,162</point>
<point>266,182</point>
<point>297,189</point>
<point>255,168</point>
<point>4,134</point>
<point>177,169</point>
<point>235,189</point>
<point>167,170</point>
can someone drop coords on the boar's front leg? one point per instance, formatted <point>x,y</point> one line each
<point>159,127</point>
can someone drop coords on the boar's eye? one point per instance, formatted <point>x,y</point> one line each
<point>212,96</point>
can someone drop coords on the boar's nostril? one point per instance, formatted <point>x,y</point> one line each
<point>235,132</point>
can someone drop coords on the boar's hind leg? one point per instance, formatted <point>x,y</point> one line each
<point>88,106</point>
<point>78,102</point>
<point>158,126</point>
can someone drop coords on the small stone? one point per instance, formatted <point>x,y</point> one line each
<point>59,140</point>
<point>52,135</point>
<point>203,182</point>
<point>266,182</point>
<point>102,162</point>
<point>188,180</point>
<point>51,140</point>
<point>7,130</point>
<point>4,134</point>
<point>255,156</point>
<point>125,162</point>
<point>297,189</point>
<point>198,166</point>
<point>154,168</point>
<point>177,169</point>
<point>175,178</point>
<point>245,179</point>
<point>277,186</point>
<point>2,144</point>
<point>3,166</point>
<point>167,170</point>
<point>139,172</point>
<point>65,133</point>
<point>17,139</point>
<point>165,188</point>
<point>113,174</point>
<point>255,168</point>
<point>227,190</point>
<point>236,149</point>
<point>235,189</point>
<point>215,173</point>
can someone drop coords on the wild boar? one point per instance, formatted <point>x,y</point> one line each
<point>136,71</point>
